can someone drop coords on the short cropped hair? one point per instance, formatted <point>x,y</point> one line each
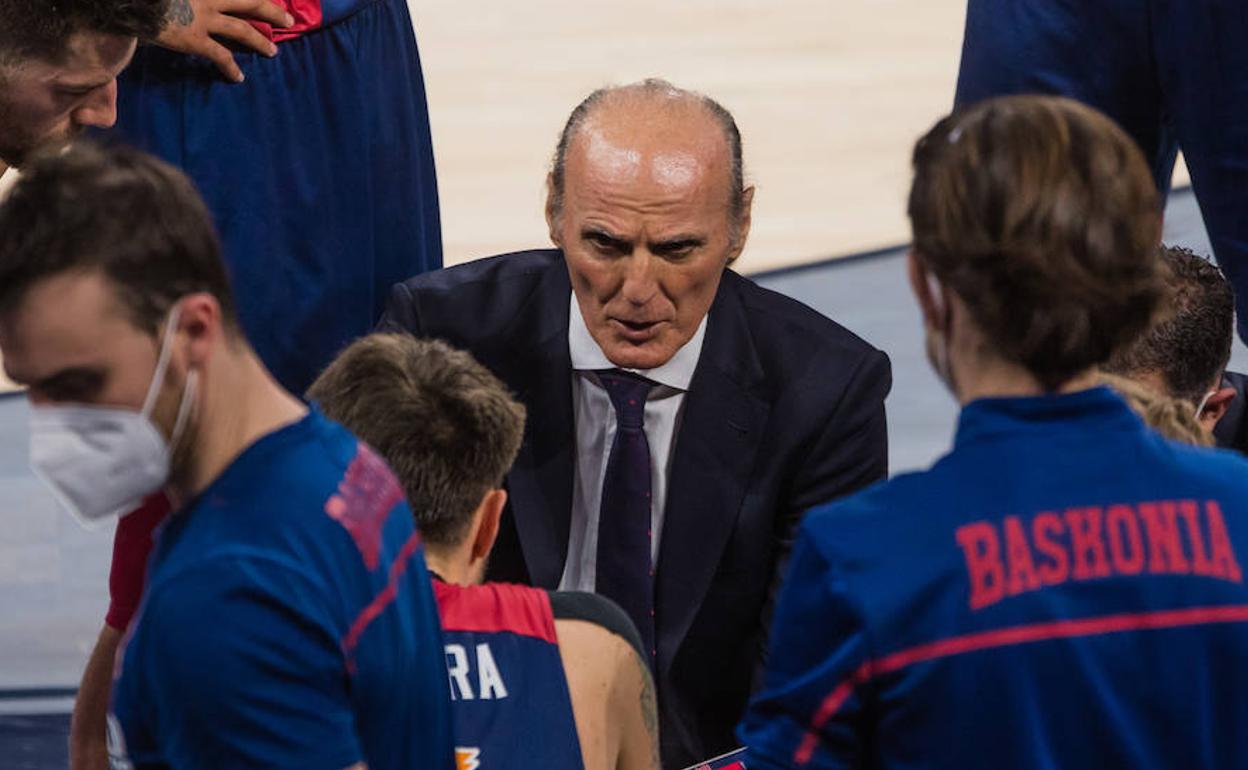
<point>1042,216</point>
<point>449,428</point>
<point>1189,342</point>
<point>134,218</point>
<point>657,88</point>
<point>41,29</point>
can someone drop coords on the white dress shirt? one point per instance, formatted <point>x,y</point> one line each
<point>595,421</point>
<point>7,180</point>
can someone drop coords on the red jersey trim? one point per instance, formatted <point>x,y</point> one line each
<point>380,602</point>
<point>1007,637</point>
<point>496,608</point>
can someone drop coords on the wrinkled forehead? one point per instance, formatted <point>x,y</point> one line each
<point>674,152</point>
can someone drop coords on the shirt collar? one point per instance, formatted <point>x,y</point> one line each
<point>587,356</point>
<point>7,181</point>
<point>1096,409</point>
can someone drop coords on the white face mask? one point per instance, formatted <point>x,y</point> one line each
<point>101,461</point>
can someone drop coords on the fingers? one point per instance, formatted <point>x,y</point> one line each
<point>243,33</point>
<point>257,10</point>
<point>221,56</point>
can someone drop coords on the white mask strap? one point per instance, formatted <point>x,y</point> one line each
<point>1200,408</point>
<point>162,361</point>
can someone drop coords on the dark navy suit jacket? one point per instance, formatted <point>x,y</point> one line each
<point>785,411</point>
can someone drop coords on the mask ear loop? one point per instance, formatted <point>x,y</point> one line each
<point>162,361</point>
<point>1200,408</point>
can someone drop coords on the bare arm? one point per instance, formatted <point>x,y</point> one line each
<point>635,707</point>
<point>612,698</point>
<point>88,731</point>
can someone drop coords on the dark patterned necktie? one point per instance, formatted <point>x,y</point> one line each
<point>625,572</point>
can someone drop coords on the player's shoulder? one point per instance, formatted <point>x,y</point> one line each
<point>599,612</point>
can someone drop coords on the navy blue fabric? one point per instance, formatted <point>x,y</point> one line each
<point>1173,73</point>
<point>625,573</point>
<point>288,621</point>
<point>512,706</point>
<point>318,171</point>
<point>875,581</point>
<point>785,411</point>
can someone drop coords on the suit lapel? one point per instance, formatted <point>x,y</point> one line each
<point>719,434</point>
<point>540,482</point>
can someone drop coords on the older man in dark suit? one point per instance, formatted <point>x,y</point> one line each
<point>681,417</point>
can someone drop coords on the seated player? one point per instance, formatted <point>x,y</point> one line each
<point>1183,354</point>
<point>1065,588</point>
<point>539,679</point>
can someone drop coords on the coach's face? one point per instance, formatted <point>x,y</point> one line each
<point>647,226</point>
<point>53,101</point>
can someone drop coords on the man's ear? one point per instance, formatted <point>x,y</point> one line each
<point>490,514</point>
<point>199,317</point>
<point>1215,408</point>
<point>552,211</point>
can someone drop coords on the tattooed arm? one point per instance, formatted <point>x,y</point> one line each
<point>198,27</point>
<point>613,697</point>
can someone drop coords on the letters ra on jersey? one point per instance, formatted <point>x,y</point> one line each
<point>1023,554</point>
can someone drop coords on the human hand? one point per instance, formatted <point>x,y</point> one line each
<point>194,26</point>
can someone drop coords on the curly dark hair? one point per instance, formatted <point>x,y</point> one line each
<point>1189,343</point>
<point>41,29</point>
<point>1041,214</point>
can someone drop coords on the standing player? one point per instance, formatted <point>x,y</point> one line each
<point>1173,73</point>
<point>555,680</point>
<point>287,620</point>
<point>1065,588</point>
<point>310,146</point>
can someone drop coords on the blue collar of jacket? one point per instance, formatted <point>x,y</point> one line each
<point>1097,409</point>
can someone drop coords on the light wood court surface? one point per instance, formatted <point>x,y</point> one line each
<point>829,94</point>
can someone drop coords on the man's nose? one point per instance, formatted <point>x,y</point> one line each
<point>640,278</point>
<point>99,110</point>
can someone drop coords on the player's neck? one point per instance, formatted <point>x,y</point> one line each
<point>452,567</point>
<point>241,404</point>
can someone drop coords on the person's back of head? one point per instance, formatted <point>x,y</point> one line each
<point>1039,215</point>
<point>450,430</point>
<point>1184,351</point>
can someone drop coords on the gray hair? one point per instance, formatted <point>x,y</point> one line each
<point>658,88</point>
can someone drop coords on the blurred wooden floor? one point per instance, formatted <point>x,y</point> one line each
<point>830,95</point>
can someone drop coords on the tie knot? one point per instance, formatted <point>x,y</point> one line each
<point>628,393</point>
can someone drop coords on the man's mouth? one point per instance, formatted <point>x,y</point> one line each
<point>636,331</point>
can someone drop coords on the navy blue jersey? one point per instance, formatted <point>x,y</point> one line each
<point>287,621</point>
<point>510,695</point>
<point>1064,589</point>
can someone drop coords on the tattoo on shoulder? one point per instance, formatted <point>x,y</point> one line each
<point>649,707</point>
<point>181,13</point>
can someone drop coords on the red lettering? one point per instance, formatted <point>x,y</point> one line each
<point>1222,553</point>
<point>1200,558</point>
<point>1164,547</point>
<point>1023,575</point>
<point>1043,527</point>
<point>982,550</point>
<point>1085,541</point>
<point>1122,530</point>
